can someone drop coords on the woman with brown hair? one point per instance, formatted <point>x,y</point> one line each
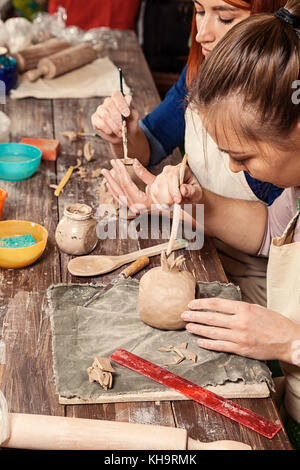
<point>251,108</point>
<point>173,124</point>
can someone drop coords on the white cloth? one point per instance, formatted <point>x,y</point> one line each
<point>99,78</point>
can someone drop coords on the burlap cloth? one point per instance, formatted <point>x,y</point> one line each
<point>99,78</point>
<point>110,321</point>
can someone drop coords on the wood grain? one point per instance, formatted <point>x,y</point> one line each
<point>27,379</point>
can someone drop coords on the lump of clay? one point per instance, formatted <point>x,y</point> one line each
<point>164,294</point>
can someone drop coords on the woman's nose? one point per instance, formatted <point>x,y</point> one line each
<point>234,166</point>
<point>205,30</point>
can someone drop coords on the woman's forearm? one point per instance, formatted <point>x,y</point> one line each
<point>241,224</point>
<point>138,147</point>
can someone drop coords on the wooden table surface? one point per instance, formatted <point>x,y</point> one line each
<point>27,379</point>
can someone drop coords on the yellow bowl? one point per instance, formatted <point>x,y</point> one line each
<point>20,257</point>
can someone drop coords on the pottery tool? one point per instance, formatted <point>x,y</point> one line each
<point>64,61</point>
<point>177,209</point>
<point>29,57</point>
<point>88,134</point>
<point>64,181</point>
<point>193,391</point>
<point>124,125</point>
<point>135,267</point>
<point>42,432</point>
<point>94,265</point>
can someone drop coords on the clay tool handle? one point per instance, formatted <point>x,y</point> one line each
<point>136,266</point>
<point>177,208</point>
<point>94,265</point>
<point>199,394</point>
<point>124,124</point>
<point>41,432</point>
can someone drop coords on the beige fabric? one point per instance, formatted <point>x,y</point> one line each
<point>211,168</point>
<point>246,271</point>
<point>99,78</point>
<point>283,288</point>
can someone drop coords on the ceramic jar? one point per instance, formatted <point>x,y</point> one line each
<point>76,232</point>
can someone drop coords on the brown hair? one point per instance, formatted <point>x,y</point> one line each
<point>256,62</point>
<point>196,57</point>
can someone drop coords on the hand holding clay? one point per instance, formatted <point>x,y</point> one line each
<point>107,120</point>
<point>166,189</point>
<point>161,192</point>
<point>125,190</point>
<point>164,294</point>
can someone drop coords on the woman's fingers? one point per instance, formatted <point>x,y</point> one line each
<point>222,346</point>
<point>145,175</point>
<point>122,103</point>
<point>208,318</point>
<point>134,194</point>
<point>218,305</point>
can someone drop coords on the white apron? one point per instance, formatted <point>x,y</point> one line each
<point>283,294</point>
<point>211,168</point>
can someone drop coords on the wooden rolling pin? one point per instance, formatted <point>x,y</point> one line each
<point>29,58</point>
<point>41,432</point>
<point>64,61</point>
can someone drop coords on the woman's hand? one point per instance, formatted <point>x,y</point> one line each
<point>161,191</point>
<point>242,328</point>
<point>107,120</point>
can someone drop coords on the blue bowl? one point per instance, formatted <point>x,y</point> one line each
<point>18,161</point>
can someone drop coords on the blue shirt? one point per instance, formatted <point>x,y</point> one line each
<point>164,128</point>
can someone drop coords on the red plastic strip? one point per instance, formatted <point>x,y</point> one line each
<point>193,391</point>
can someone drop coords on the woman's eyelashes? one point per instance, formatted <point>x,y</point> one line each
<point>222,20</point>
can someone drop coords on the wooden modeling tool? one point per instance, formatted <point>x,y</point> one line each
<point>94,265</point>
<point>124,125</point>
<point>193,391</point>
<point>177,209</point>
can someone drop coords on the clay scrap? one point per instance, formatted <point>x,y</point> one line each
<point>101,371</point>
<point>180,355</point>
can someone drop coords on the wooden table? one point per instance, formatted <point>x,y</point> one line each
<point>27,379</point>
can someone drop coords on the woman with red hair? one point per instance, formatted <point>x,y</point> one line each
<point>172,124</point>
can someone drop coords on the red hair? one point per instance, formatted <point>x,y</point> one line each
<point>196,57</point>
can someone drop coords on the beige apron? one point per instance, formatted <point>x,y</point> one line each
<point>211,168</point>
<point>283,293</point>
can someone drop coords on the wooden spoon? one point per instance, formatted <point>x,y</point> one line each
<point>94,265</point>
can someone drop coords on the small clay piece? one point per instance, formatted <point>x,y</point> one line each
<point>71,135</point>
<point>177,360</point>
<point>164,349</point>
<point>79,153</point>
<point>53,186</point>
<point>192,356</point>
<point>183,345</point>
<point>164,293</point>
<point>101,371</point>
<point>82,172</point>
<point>88,152</point>
<point>180,354</point>
<point>96,173</point>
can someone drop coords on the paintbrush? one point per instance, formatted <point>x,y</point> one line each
<point>88,134</point>
<point>124,126</point>
<point>177,208</point>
